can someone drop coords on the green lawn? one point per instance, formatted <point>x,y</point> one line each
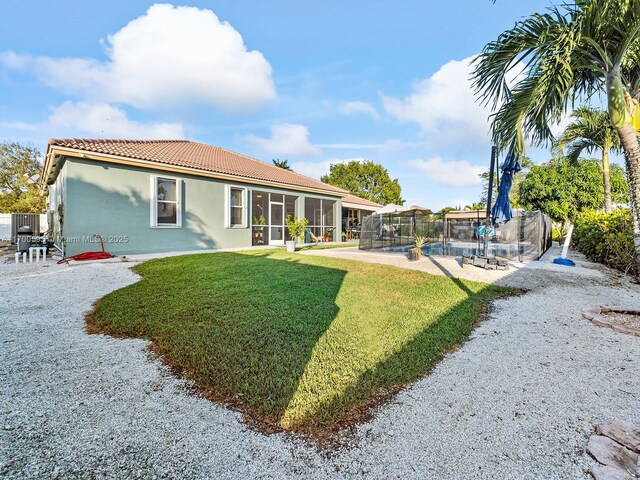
<point>296,342</point>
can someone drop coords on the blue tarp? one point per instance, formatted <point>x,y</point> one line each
<point>501,211</point>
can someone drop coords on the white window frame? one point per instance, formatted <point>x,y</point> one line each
<point>154,202</point>
<point>227,206</point>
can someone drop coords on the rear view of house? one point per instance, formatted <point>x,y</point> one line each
<point>148,196</point>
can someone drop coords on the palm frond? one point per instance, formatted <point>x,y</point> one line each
<point>564,54</point>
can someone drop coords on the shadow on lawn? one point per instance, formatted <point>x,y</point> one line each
<point>243,327</point>
<point>416,359</point>
<point>263,335</point>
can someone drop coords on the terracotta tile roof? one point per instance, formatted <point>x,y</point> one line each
<point>184,153</point>
<point>360,201</point>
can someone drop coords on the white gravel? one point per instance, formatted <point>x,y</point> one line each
<point>517,401</point>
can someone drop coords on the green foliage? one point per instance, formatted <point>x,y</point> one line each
<point>284,164</point>
<point>525,163</point>
<point>590,130</point>
<point>441,213</point>
<point>296,226</point>
<point>259,220</point>
<point>571,52</point>
<point>20,169</point>
<point>365,179</point>
<point>296,342</point>
<point>562,189</point>
<point>558,232</point>
<point>420,241</point>
<point>606,238</point>
<point>477,206</point>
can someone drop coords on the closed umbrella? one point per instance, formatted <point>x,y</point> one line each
<point>501,211</point>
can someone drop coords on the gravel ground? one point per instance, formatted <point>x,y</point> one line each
<point>517,401</point>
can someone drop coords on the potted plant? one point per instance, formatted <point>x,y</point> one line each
<point>258,230</point>
<point>296,227</point>
<point>416,251</point>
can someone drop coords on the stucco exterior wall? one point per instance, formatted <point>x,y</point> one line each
<point>56,205</point>
<point>114,201</point>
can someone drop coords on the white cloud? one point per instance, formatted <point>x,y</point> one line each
<point>14,61</point>
<point>350,108</point>
<point>104,120</point>
<point>444,105</point>
<point>459,173</point>
<point>167,57</point>
<point>317,169</point>
<point>286,139</point>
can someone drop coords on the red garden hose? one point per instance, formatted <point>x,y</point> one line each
<point>102,255</point>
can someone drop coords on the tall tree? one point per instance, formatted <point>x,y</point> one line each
<point>365,179</point>
<point>591,130</point>
<point>476,206</point>
<point>562,188</point>
<point>570,53</point>
<point>284,164</point>
<point>525,163</point>
<point>20,169</point>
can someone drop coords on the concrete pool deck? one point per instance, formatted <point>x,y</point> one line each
<point>452,266</point>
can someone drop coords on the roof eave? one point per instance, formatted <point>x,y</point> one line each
<point>53,150</point>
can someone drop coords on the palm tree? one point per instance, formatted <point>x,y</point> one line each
<point>475,206</point>
<point>281,163</point>
<point>591,130</point>
<point>532,73</point>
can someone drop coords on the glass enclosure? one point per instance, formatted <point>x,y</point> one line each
<point>322,218</point>
<point>268,213</point>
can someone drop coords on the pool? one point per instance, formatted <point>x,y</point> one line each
<point>457,249</point>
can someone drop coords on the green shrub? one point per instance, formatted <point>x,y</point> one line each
<point>558,233</point>
<point>606,238</point>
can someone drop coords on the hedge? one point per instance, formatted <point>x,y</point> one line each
<point>606,238</point>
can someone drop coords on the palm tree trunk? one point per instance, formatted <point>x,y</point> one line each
<point>629,141</point>
<point>606,180</point>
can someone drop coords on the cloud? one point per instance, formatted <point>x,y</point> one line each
<point>104,120</point>
<point>350,108</point>
<point>286,139</point>
<point>13,61</point>
<point>317,169</point>
<point>444,105</point>
<point>169,56</point>
<point>458,173</point>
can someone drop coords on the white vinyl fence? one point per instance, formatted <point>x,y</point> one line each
<point>5,226</point>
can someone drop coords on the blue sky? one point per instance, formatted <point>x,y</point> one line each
<point>313,82</point>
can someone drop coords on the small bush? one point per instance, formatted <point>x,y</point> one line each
<point>606,238</point>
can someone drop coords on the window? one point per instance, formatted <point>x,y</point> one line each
<point>166,210</point>
<point>236,207</point>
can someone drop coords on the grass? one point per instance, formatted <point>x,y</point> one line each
<point>322,246</point>
<point>296,342</point>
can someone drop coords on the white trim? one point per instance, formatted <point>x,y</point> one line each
<point>271,225</point>
<point>227,206</point>
<point>357,206</point>
<point>153,203</point>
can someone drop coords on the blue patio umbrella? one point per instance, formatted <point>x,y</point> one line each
<point>501,211</point>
